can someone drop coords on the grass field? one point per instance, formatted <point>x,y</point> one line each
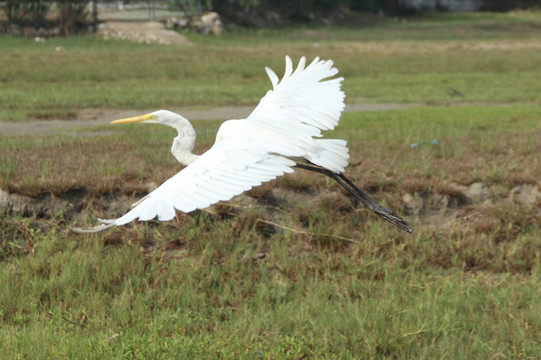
<point>481,58</point>
<point>294,269</point>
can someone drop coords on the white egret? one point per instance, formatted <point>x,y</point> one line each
<point>283,132</point>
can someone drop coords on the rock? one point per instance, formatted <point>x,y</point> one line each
<point>148,32</point>
<point>170,23</point>
<point>525,194</point>
<point>5,203</point>
<point>458,188</point>
<point>208,23</point>
<point>413,204</point>
<point>477,192</point>
<point>175,22</point>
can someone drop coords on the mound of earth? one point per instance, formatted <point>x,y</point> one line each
<point>440,210</point>
<point>143,32</point>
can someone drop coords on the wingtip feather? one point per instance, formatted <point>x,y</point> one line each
<point>272,76</point>
<point>289,67</point>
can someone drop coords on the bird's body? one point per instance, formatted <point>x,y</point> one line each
<point>285,127</point>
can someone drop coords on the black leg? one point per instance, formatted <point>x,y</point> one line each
<point>362,196</point>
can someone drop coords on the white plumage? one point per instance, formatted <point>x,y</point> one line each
<point>285,125</point>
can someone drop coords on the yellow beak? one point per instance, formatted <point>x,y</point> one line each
<point>135,119</point>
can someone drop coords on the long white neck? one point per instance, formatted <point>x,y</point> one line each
<point>183,144</point>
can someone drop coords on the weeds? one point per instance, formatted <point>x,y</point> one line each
<point>8,166</point>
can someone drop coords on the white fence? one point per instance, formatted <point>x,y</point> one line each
<point>451,5</point>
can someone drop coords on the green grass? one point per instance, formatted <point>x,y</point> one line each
<point>207,296</point>
<point>134,155</point>
<point>294,269</point>
<point>195,287</point>
<point>469,58</point>
<point>425,28</point>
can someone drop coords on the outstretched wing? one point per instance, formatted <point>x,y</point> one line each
<point>230,167</point>
<point>303,103</point>
<point>298,108</point>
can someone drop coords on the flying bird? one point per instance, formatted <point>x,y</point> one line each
<point>282,133</point>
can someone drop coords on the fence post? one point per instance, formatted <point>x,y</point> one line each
<point>95,15</point>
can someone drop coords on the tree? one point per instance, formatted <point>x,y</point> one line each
<point>72,16</point>
<point>23,12</point>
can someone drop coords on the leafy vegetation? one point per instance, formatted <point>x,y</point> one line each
<point>293,269</point>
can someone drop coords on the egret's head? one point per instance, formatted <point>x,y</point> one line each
<point>164,117</point>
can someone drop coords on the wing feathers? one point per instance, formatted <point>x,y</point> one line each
<point>272,76</point>
<point>301,65</point>
<point>289,67</point>
<point>332,154</point>
<point>214,177</point>
<point>305,100</point>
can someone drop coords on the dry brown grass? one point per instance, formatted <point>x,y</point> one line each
<point>431,185</point>
<point>432,47</point>
<point>102,165</point>
<point>122,164</point>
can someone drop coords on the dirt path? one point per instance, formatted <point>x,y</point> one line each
<point>87,121</point>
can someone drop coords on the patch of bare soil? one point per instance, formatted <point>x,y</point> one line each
<point>473,204</point>
<point>144,32</point>
<point>468,204</point>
